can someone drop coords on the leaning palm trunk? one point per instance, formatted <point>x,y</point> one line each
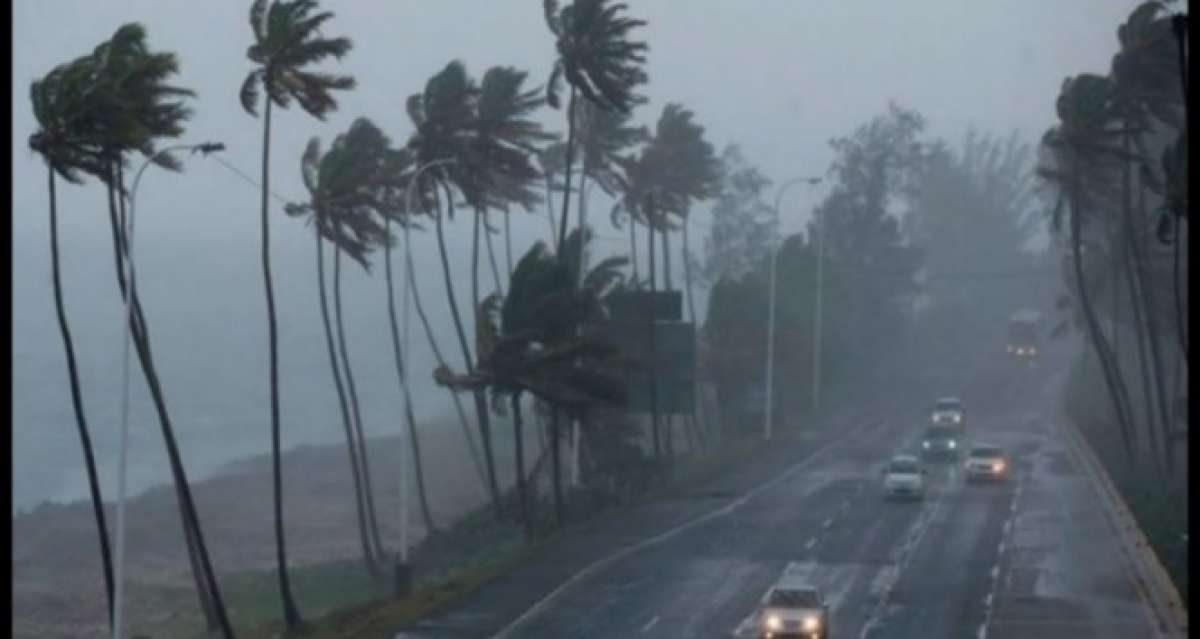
<point>481,411</point>
<point>85,439</point>
<point>202,573</point>
<point>487,237</point>
<point>437,354</point>
<point>369,558</point>
<point>367,487</point>
<point>519,446</point>
<point>666,249</point>
<point>566,201</point>
<point>291,613</point>
<point>1144,374</point>
<point>1146,302</point>
<point>414,440</point>
<point>651,321</point>
<point>1120,406</point>
<point>633,248</point>
<point>550,209</point>
<point>698,406</point>
<point>508,245</point>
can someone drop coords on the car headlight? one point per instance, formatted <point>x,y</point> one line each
<point>957,418</point>
<point>1033,351</point>
<point>811,623</point>
<point>998,467</point>
<point>953,444</point>
<point>926,445</point>
<point>773,622</point>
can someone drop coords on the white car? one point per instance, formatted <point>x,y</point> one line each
<point>793,608</point>
<point>904,477</point>
<point>987,463</point>
<point>948,411</point>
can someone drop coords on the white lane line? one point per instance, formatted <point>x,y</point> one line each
<point>646,628</point>
<point>827,523</point>
<point>811,542</point>
<point>595,566</point>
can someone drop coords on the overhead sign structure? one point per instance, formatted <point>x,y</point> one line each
<point>670,355</point>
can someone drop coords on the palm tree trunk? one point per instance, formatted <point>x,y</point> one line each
<point>1146,302</point>
<point>202,572</point>
<point>562,221</point>
<point>653,321</point>
<point>475,271</point>
<point>520,451</point>
<point>697,405</point>
<point>369,558</point>
<point>291,614</point>
<point>670,417</point>
<point>137,333</point>
<point>367,486</point>
<point>1140,329</point>
<point>556,464</point>
<point>414,441</point>
<point>633,247</point>
<point>441,360</point>
<point>487,237</point>
<point>508,245</point>
<point>85,439</point>
<point>481,410</point>
<point>550,209</point>
<point>1120,409</point>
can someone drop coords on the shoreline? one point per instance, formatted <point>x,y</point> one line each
<point>56,559</point>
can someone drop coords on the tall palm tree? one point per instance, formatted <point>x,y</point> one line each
<point>598,61</point>
<point>58,100</point>
<point>287,40</point>
<point>443,116</point>
<point>1084,147</point>
<point>107,104</point>
<point>340,188</point>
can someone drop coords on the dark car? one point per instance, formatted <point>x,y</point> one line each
<point>941,442</point>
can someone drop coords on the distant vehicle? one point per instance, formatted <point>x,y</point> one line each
<point>941,442</point>
<point>949,411</point>
<point>904,477</point>
<point>987,463</point>
<point>1022,335</point>
<point>794,608</point>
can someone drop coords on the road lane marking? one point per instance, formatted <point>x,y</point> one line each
<point>646,628</point>
<point>811,542</point>
<point>827,523</point>
<point>595,566</point>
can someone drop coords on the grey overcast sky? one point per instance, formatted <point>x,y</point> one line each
<point>778,77</point>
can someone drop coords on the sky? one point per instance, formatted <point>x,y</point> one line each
<point>777,77</point>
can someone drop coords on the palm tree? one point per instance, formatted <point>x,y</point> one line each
<point>58,100</point>
<point>443,116</point>
<point>287,39</point>
<point>339,184</point>
<point>1083,146</point>
<point>598,61</point>
<point>532,349</point>
<point>101,107</point>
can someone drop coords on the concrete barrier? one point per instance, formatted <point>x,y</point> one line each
<point>1149,576</point>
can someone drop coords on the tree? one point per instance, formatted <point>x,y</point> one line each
<point>287,40</point>
<point>533,348</point>
<point>443,116</point>
<point>598,61</point>
<point>743,222</point>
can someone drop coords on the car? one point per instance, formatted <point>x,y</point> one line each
<point>941,442</point>
<point>904,477</point>
<point>949,411</point>
<point>987,463</point>
<point>793,608</point>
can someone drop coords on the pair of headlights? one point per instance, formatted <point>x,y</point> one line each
<point>951,445</point>
<point>810,623</point>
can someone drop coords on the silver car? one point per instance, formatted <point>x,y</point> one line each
<point>948,411</point>
<point>793,608</point>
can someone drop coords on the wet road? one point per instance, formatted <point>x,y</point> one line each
<point>1031,557</point>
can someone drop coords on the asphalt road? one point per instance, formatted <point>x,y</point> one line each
<point>1031,557</point>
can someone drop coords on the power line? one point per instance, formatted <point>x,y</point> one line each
<point>242,174</point>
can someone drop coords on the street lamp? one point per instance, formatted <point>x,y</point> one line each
<point>119,595</point>
<point>771,307</point>
<point>403,570</point>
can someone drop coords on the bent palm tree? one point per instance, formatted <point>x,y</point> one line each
<point>286,40</point>
<point>598,61</point>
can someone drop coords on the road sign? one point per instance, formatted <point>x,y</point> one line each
<point>637,306</point>
<point>671,355</point>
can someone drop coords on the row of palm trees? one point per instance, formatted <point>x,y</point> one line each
<point>474,146</point>
<point>1118,158</point>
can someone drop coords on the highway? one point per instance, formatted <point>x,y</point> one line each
<point>1032,557</point>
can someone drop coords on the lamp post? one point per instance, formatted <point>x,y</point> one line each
<point>403,569</point>
<point>127,320</point>
<point>771,307</point>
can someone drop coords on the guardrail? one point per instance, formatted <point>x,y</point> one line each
<point>1149,576</point>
